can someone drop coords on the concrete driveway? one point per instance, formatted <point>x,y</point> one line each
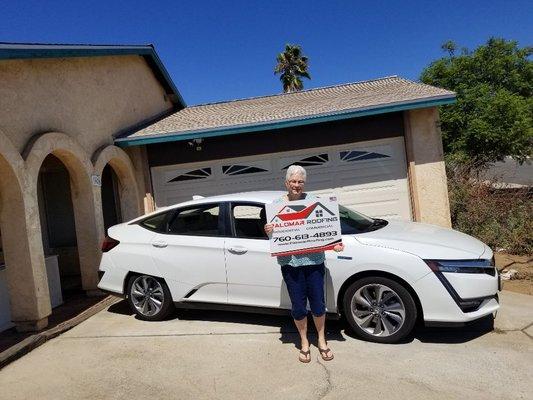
<point>222,355</point>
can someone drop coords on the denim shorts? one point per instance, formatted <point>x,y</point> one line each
<point>305,283</point>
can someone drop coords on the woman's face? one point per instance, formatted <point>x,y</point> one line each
<point>295,185</point>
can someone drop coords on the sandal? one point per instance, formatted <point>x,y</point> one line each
<point>323,353</point>
<point>305,354</point>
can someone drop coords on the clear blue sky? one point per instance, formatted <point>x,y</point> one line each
<point>222,50</point>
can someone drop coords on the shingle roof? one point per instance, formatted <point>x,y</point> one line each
<point>298,108</point>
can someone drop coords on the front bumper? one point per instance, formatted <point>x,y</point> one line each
<point>457,299</point>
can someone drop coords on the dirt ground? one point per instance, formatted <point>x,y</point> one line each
<point>523,281</point>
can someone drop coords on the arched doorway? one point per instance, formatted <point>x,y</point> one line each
<point>111,202</point>
<point>119,192</point>
<point>58,229</point>
<point>24,297</point>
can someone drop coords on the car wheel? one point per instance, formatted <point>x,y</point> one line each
<point>379,309</point>
<point>149,297</point>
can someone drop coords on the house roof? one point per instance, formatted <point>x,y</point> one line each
<point>17,51</point>
<point>350,100</point>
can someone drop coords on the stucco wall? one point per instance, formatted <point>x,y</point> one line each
<point>88,98</point>
<point>427,172</point>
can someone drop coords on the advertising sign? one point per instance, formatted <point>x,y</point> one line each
<point>306,226</point>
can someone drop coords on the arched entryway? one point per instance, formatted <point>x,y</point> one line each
<point>70,170</point>
<point>58,229</point>
<point>24,295</point>
<point>119,194</point>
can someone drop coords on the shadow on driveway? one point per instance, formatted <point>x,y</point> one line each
<point>337,330</point>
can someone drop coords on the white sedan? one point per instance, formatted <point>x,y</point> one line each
<point>213,253</point>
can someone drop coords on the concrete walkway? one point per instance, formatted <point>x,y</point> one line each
<point>219,355</point>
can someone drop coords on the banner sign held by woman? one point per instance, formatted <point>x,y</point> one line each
<point>305,226</point>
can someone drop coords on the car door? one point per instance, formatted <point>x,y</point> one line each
<point>254,276</point>
<point>190,254</point>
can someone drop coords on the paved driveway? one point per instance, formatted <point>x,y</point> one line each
<point>212,355</point>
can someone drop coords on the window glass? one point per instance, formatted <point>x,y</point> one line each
<point>155,222</point>
<point>353,222</point>
<point>249,221</point>
<point>200,221</point>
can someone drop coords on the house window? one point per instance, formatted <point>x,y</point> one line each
<point>241,169</point>
<point>356,155</point>
<point>202,173</point>
<point>319,159</point>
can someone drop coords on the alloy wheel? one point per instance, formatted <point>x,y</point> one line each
<point>378,310</point>
<point>147,295</point>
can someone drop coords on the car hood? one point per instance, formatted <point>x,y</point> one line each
<point>425,241</point>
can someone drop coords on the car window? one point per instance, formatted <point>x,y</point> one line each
<point>155,222</point>
<point>249,221</point>
<point>199,221</point>
<point>353,222</point>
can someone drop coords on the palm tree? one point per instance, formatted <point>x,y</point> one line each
<point>292,65</point>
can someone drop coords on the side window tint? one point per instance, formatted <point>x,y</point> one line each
<point>198,221</point>
<point>155,222</point>
<point>249,221</point>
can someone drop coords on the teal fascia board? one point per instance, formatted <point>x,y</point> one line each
<point>233,130</point>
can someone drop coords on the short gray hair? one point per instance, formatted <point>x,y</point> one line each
<point>295,170</point>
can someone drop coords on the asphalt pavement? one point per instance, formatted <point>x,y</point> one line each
<point>224,355</point>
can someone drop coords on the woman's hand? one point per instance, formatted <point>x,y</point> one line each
<point>269,228</point>
<point>338,248</point>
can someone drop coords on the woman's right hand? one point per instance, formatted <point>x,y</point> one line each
<point>269,228</point>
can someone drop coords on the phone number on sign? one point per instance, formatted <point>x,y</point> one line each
<point>304,236</point>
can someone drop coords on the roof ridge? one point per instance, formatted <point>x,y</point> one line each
<point>300,91</point>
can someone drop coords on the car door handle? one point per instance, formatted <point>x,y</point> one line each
<point>238,250</point>
<point>159,244</point>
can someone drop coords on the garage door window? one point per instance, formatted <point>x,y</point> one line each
<point>319,159</point>
<point>197,221</point>
<point>241,169</point>
<point>356,155</point>
<point>202,173</point>
<point>249,221</point>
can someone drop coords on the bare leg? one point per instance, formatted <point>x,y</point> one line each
<point>320,324</point>
<point>301,325</point>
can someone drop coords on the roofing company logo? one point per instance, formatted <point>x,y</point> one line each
<point>291,213</point>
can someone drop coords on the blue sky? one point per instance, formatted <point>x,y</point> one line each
<point>222,50</point>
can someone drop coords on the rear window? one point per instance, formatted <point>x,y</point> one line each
<point>155,222</point>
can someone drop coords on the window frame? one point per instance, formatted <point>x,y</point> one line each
<point>220,226</point>
<point>231,219</point>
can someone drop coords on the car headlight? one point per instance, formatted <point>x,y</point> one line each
<point>462,266</point>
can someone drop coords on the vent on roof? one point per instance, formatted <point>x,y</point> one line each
<point>202,173</point>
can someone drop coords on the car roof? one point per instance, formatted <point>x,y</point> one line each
<point>257,196</point>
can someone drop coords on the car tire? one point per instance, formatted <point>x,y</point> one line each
<point>379,309</point>
<point>149,297</point>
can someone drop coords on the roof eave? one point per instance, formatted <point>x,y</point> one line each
<point>288,123</point>
<point>21,52</point>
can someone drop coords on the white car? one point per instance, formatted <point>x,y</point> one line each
<point>213,253</point>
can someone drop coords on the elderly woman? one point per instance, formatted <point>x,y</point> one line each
<point>304,276</point>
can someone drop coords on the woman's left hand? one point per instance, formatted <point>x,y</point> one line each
<point>338,248</point>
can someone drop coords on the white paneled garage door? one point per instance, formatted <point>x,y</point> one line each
<point>370,177</point>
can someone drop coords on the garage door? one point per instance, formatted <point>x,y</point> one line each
<point>370,177</point>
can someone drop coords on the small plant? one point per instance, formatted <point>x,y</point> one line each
<point>497,215</point>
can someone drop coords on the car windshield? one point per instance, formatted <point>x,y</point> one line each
<point>353,222</point>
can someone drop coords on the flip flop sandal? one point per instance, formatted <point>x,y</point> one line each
<point>323,353</point>
<point>305,354</point>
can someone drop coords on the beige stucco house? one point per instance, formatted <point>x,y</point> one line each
<point>91,135</point>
